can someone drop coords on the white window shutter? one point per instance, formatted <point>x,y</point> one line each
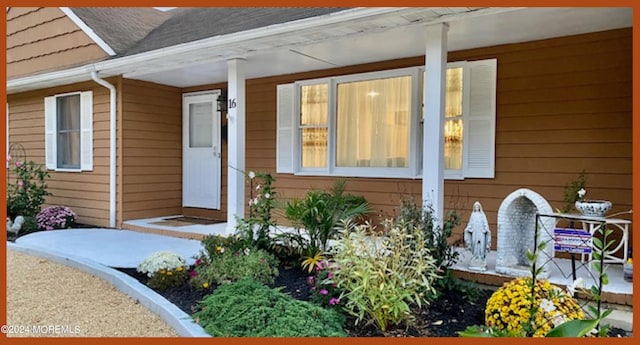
<point>285,141</point>
<point>86,131</point>
<point>480,122</point>
<point>50,129</point>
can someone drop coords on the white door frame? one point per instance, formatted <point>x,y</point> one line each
<point>208,158</point>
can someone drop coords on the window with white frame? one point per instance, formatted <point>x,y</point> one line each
<point>371,124</point>
<point>69,131</point>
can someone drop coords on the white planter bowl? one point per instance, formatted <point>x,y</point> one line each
<point>593,208</point>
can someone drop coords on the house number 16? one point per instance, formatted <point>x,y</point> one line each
<point>232,103</point>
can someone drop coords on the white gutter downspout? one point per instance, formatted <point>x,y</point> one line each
<point>112,146</point>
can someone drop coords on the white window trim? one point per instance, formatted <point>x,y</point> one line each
<point>86,129</point>
<point>332,169</point>
<point>414,171</point>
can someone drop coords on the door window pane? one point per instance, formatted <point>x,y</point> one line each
<point>201,124</point>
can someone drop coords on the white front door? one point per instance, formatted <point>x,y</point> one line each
<point>201,150</point>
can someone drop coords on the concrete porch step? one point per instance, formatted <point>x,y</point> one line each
<point>165,226</point>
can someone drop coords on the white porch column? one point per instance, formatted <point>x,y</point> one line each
<point>434,99</point>
<point>235,142</point>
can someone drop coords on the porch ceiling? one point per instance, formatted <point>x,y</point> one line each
<point>389,36</point>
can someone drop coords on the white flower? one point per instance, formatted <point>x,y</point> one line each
<point>547,305</point>
<point>250,202</point>
<point>577,284</point>
<point>258,187</point>
<point>255,201</point>
<point>267,195</point>
<point>157,261</point>
<point>247,251</point>
<point>252,175</point>
<point>581,193</point>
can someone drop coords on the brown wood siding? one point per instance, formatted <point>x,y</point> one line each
<point>44,38</point>
<point>563,105</point>
<point>87,193</point>
<point>152,150</point>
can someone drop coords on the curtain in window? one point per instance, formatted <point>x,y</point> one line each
<point>68,128</point>
<point>313,123</point>
<point>453,120</point>
<point>373,123</point>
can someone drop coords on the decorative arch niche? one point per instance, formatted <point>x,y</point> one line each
<point>516,231</point>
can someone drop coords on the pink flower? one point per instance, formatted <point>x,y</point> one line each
<point>198,262</point>
<point>20,184</point>
<point>193,273</point>
<point>18,164</point>
<point>311,280</point>
<point>324,292</point>
<point>330,275</point>
<point>334,301</point>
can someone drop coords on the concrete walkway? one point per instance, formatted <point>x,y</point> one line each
<point>96,251</point>
<point>112,248</point>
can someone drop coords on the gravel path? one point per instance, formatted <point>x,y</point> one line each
<point>55,300</point>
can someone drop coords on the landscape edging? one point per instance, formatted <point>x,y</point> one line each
<point>180,321</point>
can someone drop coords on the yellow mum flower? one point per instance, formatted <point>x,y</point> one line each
<point>510,306</point>
<point>205,285</point>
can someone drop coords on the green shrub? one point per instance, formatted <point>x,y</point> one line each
<point>382,275</point>
<point>26,196</point>
<point>229,266</point>
<point>318,214</point>
<point>436,239</point>
<point>249,309</point>
<point>218,244</point>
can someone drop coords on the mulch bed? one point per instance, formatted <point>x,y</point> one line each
<point>444,318</point>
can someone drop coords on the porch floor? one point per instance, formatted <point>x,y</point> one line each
<point>617,291</point>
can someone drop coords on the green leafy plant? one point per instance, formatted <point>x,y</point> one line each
<point>382,275</point>
<point>164,269</point>
<point>27,194</point>
<point>228,266</point>
<point>437,240</point>
<point>217,244</point>
<point>249,309</point>
<point>571,191</point>
<point>317,215</point>
<point>262,201</point>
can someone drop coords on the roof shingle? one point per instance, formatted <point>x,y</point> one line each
<point>121,27</point>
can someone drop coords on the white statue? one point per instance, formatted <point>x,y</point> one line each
<point>477,238</point>
<point>15,226</point>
